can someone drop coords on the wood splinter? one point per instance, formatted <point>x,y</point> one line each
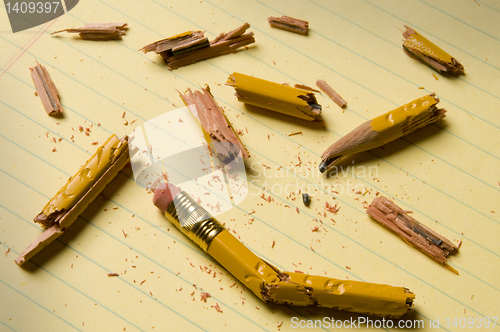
<point>276,97</point>
<point>411,231</point>
<point>46,89</point>
<point>331,93</point>
<point>289,24</point>
<point>81,189</point>
<point>217,128</point>
<point>99,31</point>
<point>192,46</point>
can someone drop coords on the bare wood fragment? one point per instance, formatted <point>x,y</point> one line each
<point>192,46</point>
<point>46,89</point>
<point>331,93</point>
<point>289,24</point>
<point>411,231</point>
<point>99,31</point>
<point>80,190</point>
<point>383,129</point>
<point>214,122</point>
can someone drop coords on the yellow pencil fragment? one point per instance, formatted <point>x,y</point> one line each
<point>276,97</point>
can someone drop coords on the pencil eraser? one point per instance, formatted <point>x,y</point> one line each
<point>164,195</point>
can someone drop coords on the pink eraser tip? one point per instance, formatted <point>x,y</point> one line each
<point>164,195</point>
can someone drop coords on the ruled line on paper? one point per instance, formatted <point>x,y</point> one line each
<point>266,222</point>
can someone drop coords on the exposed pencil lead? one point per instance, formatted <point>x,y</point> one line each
<point>322,167</point>
<point>316,106</point>
<point>306,199</point>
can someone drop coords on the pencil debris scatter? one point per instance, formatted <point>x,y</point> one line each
<point>327,89</point>
<point>289,24</point>
<point>275,97</point>
<point>418,47</point>
<point>305,87</point>
<point>384,129</point>
<point>411,231</point>
<point>46,90</point>
<point>99,31</point>
<point>79,191</point>
<point>192,46</point>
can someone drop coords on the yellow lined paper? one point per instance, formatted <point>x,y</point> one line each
<point>447,173</point>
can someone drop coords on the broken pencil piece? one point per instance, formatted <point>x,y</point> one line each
<point>414,233</point>
<point>81,189</point>
<point>331,93</point>
<point>267,282</point>
<point>384,129</point>
<point>99,31</point>
<point>216,127</point>
<point>192,46</point>
<point>46,89</point>
<point>289,24</point>
<point>417,46</point>
<point>275,97</point>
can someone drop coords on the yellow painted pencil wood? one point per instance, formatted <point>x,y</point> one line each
<point>72,199</point>
<point>355,296</point>
<point>419,47</point>
<point>81,182</point>
<point>276,97</point>
<point>384,129</point>
<point>266,281</point>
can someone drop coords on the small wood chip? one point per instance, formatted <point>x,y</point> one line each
<point>295,133</point>
<point>289,24</point>
<point>305,87</point>
<point>216,307</point>
<point>113,274</point>
<point>99,31</point>
<point>46,90</point>
<point>331,93</point>
<point>410,230</point>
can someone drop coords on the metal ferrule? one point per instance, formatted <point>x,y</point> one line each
<point>193,220</point>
